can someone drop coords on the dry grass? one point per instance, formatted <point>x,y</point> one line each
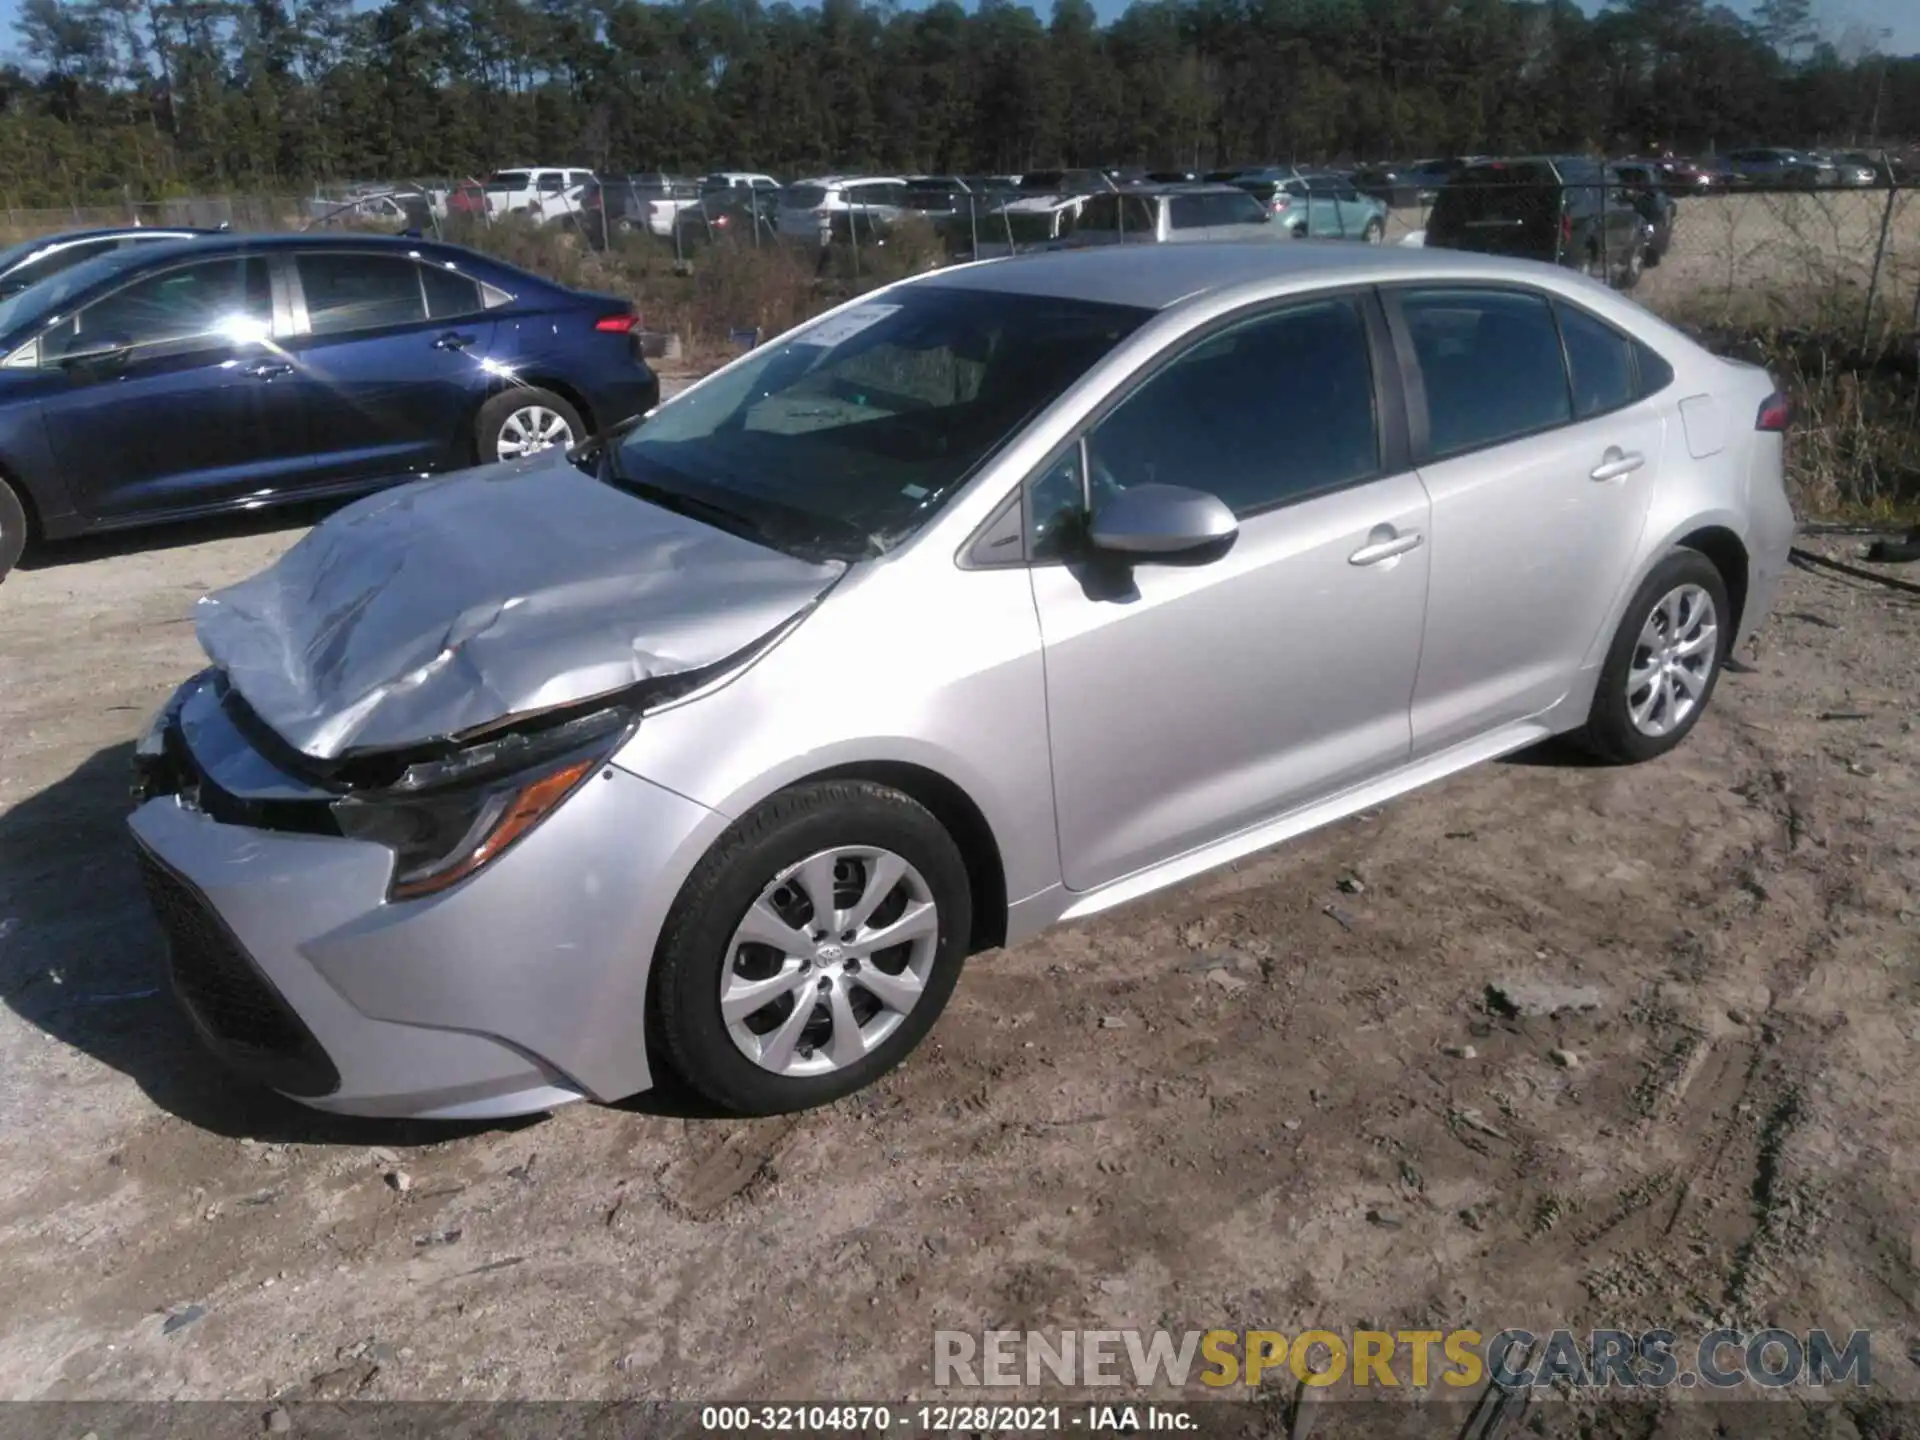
<point>714,291</point>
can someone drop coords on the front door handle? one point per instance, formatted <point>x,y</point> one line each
<point>453,341</point>
<point>267,369</point>
<point>1617,462</point>
<point>1378,550</point>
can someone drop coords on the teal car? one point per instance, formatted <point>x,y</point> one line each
<point>1317,206</point>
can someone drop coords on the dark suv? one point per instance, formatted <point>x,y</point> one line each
<point>1566,210</point>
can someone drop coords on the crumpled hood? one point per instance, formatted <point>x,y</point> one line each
<point>441,605</point>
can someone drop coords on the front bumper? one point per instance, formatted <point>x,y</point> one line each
<point>517,990</point>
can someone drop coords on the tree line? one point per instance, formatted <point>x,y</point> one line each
<point>146,98</point>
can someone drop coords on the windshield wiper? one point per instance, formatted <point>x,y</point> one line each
<point>737,522</point>
<point>721,517</point>
<point>597,443</point>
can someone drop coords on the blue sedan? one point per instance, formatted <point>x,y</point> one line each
<point>229,372</point>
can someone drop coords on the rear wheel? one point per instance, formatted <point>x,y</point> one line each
<point>1632,267</point>
<point>1665,658</point>
<point>13,529</point>
<point>812,948</point>
<point>521,422</point>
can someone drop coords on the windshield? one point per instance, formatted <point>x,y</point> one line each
<point>843,441</point>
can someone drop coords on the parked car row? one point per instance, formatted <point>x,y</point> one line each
<point>163,375</point>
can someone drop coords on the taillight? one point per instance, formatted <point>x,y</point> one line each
<point>617,324</point>
<point>1775,413</point>
<point>1279,204</point>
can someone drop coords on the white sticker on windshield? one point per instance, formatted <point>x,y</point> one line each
<point>845,325</point>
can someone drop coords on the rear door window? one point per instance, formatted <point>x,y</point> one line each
<point>1188,212</point>
<point>1599,363</point>
<point>1491,364</point>
<point>348,292</point>
<point>1133,213</point>
<point>450,293</point>
<point>1237,209</point>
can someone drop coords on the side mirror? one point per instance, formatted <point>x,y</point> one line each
<point>1153,520</point>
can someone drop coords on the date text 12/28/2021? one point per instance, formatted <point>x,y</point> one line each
<point>942,1419</point>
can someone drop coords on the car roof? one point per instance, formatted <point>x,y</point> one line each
<point>1156,277</point>
<point>221,242</point>
<point>114,232</point>
<point>1183,187</point>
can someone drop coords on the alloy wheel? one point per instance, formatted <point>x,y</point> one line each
<point>531,429</point>
<point>829,960</point>
<point>1672,661</point>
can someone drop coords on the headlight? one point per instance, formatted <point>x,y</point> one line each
<point>151,769</point>
<point>445,819</point>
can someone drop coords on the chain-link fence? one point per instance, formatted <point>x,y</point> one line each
<point>1845,261</point>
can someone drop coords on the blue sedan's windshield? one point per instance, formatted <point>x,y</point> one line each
<point>844,439</point>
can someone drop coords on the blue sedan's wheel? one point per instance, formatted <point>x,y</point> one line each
<point>517,423</point>
<point>13,528</point>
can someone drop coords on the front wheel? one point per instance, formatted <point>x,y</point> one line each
<point>812,948</point>
<point>517,423</point>
<point>1665,658</point>
<point>13,529</point>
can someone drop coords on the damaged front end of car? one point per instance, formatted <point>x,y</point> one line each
<point>437,668</point>
<point>445,809</point>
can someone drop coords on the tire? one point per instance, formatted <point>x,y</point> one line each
<point>13,529</point>
<point>540,416</point>
<point>702,949</point>
<point>1375,232</point>
<point>1632,268</point>
<point>1612,730</point>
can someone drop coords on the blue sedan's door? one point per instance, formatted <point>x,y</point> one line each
<point>390,360</point>
<point>167,395</point>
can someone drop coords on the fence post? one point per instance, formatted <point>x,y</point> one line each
<point>1879,259</point>
<point>1606,238</point>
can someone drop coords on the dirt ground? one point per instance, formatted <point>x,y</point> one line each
<point>1278,1096</point>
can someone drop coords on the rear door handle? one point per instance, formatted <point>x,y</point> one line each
<point>1617,462</point>
<point>453,341</point>
<point>1380,550</point>
<point>267,369</point>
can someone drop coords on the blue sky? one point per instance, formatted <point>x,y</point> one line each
<point>1853,25</point>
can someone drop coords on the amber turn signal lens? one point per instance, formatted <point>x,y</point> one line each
<point>529,808</point>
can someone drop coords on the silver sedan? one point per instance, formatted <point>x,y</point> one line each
<point>982,602</point>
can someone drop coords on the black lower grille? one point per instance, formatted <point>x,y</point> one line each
<point>240,1013</point>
